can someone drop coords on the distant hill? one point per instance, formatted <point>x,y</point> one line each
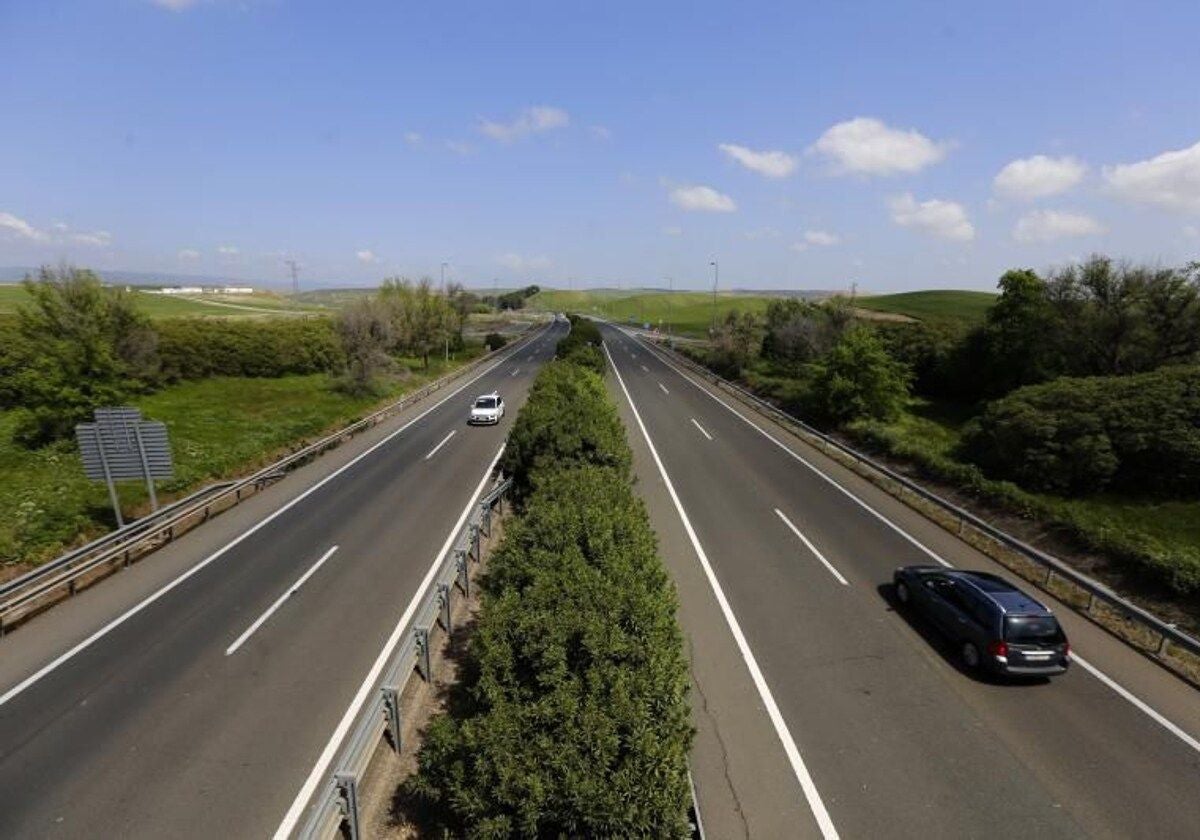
<point>933,305</point>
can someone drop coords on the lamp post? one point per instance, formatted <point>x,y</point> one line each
<point>716,277</point>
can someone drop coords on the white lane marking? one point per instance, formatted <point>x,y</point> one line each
<point>644,368</point>
<point>812,548</point>
<point>701,428</point>
<point>445,440</point>
<point>368,685</point>
<point>295,587</point>
<point>150,599</point>
<point>515,371</point>
<point>664,388</point>
<point>1139,704</point>
<point>809,787</point>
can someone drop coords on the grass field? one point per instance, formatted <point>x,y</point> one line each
<point>686,313</point>
<point>258,305</point>
<point>934,305</point>
<point>219,427</point>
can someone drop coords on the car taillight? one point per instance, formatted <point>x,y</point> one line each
<point>1066,648</point>
<point>998,648</point>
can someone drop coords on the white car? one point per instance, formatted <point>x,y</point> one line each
<point>487,410</point>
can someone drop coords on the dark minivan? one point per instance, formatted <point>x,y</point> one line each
<point>994,624</point>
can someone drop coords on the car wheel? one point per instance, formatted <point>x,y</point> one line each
<point>902,593</point>
<point>970,655</point>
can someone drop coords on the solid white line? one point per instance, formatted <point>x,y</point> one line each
<point>646,369</point>
<point>664,388</point>
<point>321,768</point>
<point>760,683</point>
<point>1100,675</point>
<point>134,610</point>
<point>701,428</point>
<point>812,548</point>
<point>279,602</point>
<point>446,439</point>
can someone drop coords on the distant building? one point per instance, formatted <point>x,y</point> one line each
<point>181,290</point>
<point>234,290</point>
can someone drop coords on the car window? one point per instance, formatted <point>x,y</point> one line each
<point>1033,629</point>
<point>485,402</point>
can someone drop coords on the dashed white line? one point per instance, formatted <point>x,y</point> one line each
<point>813,797</point>
<point>445,440</point>
<point>812,548</point>
<point>646,369</point>
<point>515,371</point>
<point>295,587</point>
<point>701,428</point>
<point>664,388</point>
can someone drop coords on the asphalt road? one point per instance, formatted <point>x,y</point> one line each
<point>183,721</point>
<point>793,637</point>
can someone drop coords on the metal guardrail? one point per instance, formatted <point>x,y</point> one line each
<point>1152,636</point>
<point>29,594</point>
<point>335,805</point>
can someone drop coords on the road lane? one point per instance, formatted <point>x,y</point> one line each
<point>152,731</point>
<point>898,740</point>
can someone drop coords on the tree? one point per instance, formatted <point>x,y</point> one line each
<point>738,339</point>
<point>1020,334</point>
<point>420,317</point>
<point>858,379</point>
<point>94,348</point>
<point>366,334</point>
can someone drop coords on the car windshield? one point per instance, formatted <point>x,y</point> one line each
<point>1033,629</point>
<point>485,402</point>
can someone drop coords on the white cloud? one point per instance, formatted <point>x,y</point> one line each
<point>1191,231</point>
<point>702,198</point>
<point>174,5</point>
<point>21,228</point>
<point>366,257</point>
<point>516,262</point>
<point>821,237</point>
<point>459,147</point>
<point>529,121</point>
<point>600,132</point>
<point>1038,176</point>
<point>867,146</point>
<point>773,164</point>
<point>412,138</point>
<point>189,254</point>
<point>1049,225</point>
<point>1170,180</point>
<point>99,238</point>
<point>673,230</point>
<point>944,219</point>
<point>227,250</point>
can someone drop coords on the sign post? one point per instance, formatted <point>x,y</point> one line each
<point>120,445</point>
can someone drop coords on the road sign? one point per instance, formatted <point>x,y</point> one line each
<point>120,445</point>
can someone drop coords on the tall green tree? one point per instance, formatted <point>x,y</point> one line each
<point>94,348</point>
<point>857,379</point>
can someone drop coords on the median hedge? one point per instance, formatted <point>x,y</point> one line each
<point>572,716</point>
<point>582,345</point>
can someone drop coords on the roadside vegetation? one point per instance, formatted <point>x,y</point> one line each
<point>1072,403</point>
<point>571,719</point>
<point>233,393</point>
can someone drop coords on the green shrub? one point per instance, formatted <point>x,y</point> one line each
<point>191,348</point>
<point>858,379</point>
<point>494,341</point>
<point>1136,433</point>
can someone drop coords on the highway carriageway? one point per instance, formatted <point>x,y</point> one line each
<point>821,710</point>
<point>193,694</point>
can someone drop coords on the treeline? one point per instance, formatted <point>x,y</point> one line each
<point>78,344</point>
<point>572,716</point>
<point>511,300</point>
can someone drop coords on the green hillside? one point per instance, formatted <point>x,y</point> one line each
<point>257,305</point>
<point>933,305</point>
<point>685,313</point>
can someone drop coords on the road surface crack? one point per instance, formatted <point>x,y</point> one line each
<point>737,802</point>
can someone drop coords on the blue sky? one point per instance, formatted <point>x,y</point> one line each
<point>899,146</point>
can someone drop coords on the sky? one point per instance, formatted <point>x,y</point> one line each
<point>798,145</point>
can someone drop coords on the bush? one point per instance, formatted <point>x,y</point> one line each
<point>858,379</point>
<point>494,341</point>
<point>567,421</point>
<point>572,719</point>
<point>192,348</point>
<point>1136,433</point>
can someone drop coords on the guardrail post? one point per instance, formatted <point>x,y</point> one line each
<point>347,785</point>
<point>1162,646</point>
<point>421,635</point>
<point>464,576</point>
<point>391,707</point>
<point>473,541</point>
<point>443,591</point>
<point>485,518</point>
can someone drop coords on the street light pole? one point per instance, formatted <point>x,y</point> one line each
<point>716,278</point>
<point>446,300</point>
